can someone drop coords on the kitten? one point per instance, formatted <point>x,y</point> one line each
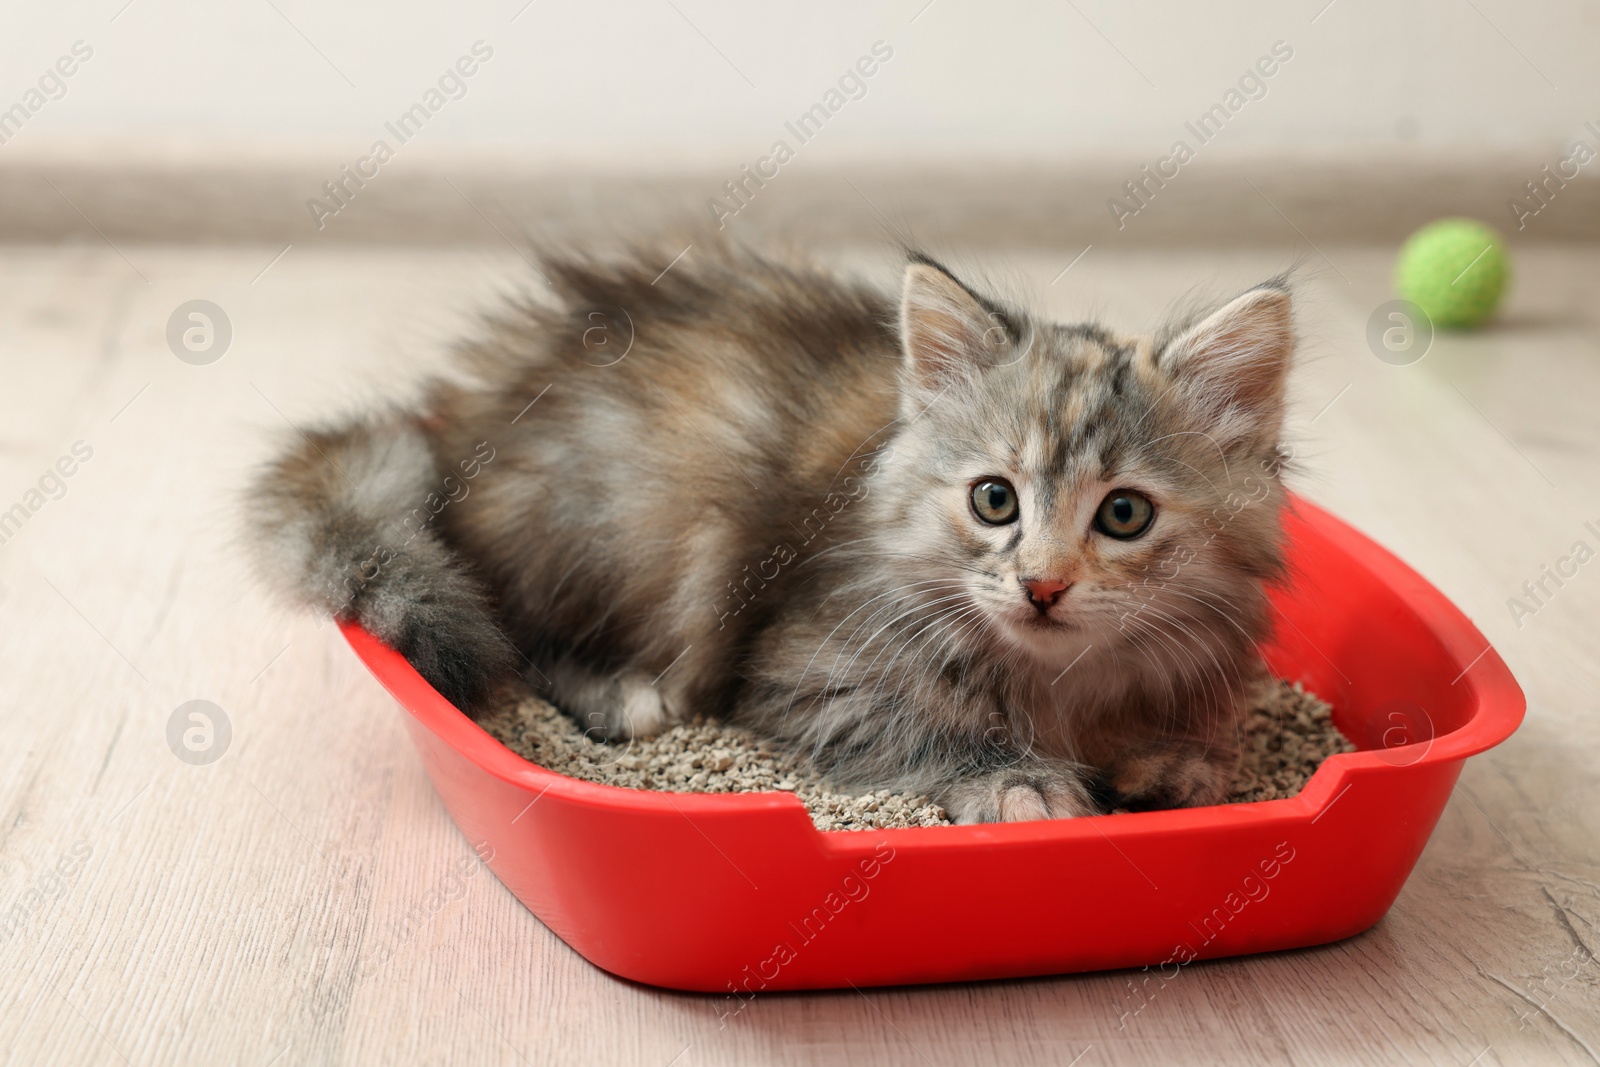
<point>943,547</point>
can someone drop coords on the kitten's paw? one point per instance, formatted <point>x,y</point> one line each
<point>1019,794</point>
<point>610,707</point>
<point>1176,775</point>
<point>642,709</point>
<point>632,708</point>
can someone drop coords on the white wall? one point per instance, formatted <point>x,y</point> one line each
<point>634,84</point>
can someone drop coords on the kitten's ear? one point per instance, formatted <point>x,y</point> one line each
<point>946,331</point>
<point>1231,367</point>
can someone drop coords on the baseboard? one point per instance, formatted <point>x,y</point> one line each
<point>1262,202</point>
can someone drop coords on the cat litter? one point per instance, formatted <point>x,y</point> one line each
<point>1287,733</point>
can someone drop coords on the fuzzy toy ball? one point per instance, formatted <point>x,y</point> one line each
<point>1455,270</point>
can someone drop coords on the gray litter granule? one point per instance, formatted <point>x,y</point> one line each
<point>1287,734</point>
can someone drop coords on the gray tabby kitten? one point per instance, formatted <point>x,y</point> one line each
<point>942,547</point>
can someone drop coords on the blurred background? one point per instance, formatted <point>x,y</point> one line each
<point>991,123</point>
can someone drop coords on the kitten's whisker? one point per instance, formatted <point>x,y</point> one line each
<point>1225,616</point>
<point>832,548</point>
<point>938,610</point>
<point>1222,686</point>
<point>904,615</point>
<point>896,606</point>
<point>961,610</point>
<point>844,646</point>
<point>911,716</point>
<point>957,564</point>
<point>807,669</point>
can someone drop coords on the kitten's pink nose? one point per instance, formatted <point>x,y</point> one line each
<point>1044,592</point>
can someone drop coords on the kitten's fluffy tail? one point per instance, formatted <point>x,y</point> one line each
<point>340,523</point>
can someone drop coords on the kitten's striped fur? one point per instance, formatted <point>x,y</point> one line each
<point>745,489</point>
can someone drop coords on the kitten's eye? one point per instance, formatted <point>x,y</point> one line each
<point>1124,514</point>
<point>994,501</point>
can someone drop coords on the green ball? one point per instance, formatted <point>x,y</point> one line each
<point>1455,270</point>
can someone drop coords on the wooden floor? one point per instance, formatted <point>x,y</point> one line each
<point>155,911</point>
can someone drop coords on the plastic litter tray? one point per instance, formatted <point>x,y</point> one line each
<point>739,893</point>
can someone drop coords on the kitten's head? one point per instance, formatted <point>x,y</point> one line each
<point>1065,487</point>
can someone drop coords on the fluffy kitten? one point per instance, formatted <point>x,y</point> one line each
<point>942,546</point>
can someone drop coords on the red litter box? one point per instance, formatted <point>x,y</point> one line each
<point>739,893</point>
